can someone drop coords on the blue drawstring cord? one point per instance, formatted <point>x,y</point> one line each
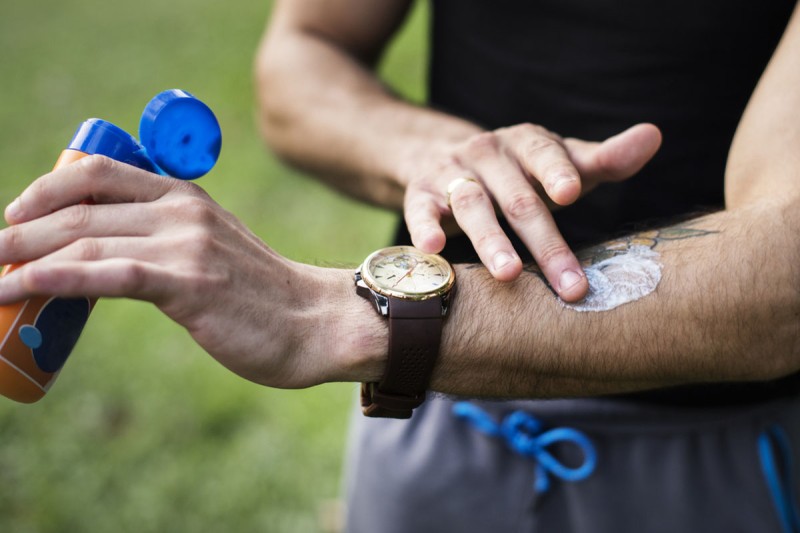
<point>525,435</point>
<point>780,482</point>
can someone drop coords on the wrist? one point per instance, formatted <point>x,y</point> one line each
<point>352,339</point>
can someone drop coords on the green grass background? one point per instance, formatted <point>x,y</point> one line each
<point>143,431</point>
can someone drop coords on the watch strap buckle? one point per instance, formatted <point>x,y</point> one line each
<point>380,404</point>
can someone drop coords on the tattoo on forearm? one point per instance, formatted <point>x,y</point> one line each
<point>650,239</point>
<point>625,269</point>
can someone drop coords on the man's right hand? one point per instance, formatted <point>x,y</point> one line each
<point>525,170</point>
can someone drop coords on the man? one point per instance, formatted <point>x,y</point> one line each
<point>721,303</point>
<point>506,78</point>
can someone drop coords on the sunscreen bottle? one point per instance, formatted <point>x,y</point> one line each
<point>180,137</point>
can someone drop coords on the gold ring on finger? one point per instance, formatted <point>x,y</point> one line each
<point>456,183</point>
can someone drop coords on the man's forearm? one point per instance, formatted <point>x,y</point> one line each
<point>767,140</point>
<point>324,111</point>
<point>726,309</point>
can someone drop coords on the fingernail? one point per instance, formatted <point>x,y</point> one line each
<point>501,259</point>
<point>568,279</point>
<point>14,209</point>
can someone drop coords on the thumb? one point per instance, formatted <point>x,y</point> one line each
<point>618,157</point>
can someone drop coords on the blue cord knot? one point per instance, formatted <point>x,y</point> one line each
<point>525,435</point>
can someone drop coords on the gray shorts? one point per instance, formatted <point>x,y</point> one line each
<point>657,469</point>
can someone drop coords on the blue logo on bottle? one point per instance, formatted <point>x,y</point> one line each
<point>56,331</point>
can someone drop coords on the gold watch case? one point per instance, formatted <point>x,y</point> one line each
<point>407,273</point>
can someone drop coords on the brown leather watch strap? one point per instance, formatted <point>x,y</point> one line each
<point>415,331</point>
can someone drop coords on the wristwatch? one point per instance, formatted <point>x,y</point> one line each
<point>413,290</point>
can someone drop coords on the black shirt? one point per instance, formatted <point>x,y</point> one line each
<point>592,68</point>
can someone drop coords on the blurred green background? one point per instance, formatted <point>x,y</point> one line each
<point>143,431</point>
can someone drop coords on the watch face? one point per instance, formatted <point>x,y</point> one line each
<point>405,272</point>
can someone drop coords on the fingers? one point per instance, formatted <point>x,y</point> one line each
<point>531,220</point>
<point>509,162</point>
<point>474,214</point>
<point>146,268</point>
<point>116,277</point>
<point>541,155</point>
<point>39,237</point>
<point>61,250</point>
<point>96,178</point>
<point>618,157</point>
<point>422,211</point>
<point>99,249</point>
<point>473,210</point>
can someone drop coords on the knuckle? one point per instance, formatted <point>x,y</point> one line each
<point>534,148</point>
<point>202,283</point>
<point>33,278</point>
<point>12,238</point>
<point>526,129</point>
<point>551,251</point>
<point>191,208</point>
<point>467,196</point>
<point>87,249</point>
<point>187,187</point>
<point>428,190</point>
<point>96,166</point>
<point>418,187</point>
<point>430,178</point>
<point>524,206</point>
<point>75,217</point>
<point>133,278</point>
<point>421,192</point>
<point>204,241</point>
<point>441,166</point>
<point>485,240</point>
<point>39,191</point>
<point>483,144</point>
<point>200,246</point>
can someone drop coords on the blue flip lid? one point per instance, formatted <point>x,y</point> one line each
<point>181,134</point>
<point>180,137</point>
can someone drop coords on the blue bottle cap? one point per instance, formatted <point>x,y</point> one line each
<point>181,134</point>
<point>99,137</point>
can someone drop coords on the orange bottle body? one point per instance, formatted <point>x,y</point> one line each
<point>37,335</point>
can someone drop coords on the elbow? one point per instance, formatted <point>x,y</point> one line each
<point>271,115</point>
<point>280,116</point>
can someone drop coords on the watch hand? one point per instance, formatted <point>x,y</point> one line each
<point>410,270</point>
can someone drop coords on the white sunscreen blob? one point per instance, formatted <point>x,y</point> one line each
<point>620,279</point>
